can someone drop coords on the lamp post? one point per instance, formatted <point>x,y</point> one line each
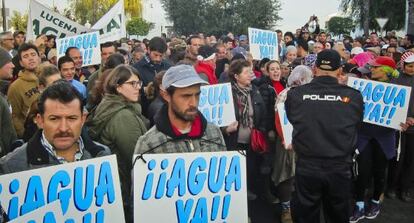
<point>3,12</point>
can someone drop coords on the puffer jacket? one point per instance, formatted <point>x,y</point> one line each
<point>33,155</point>
<point>162,139</point>
<point>118,124</point>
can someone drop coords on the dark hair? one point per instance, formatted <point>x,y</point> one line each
<point>191,38</point>
<point>290,34</point>
<point>69,49</point>
<point>360,40</point>
<point>158,81</point>
<point>62,91</point>
<point>236,67</point>
<point>171,89</point>
<point>51,36</point>
<point>302,43</point>
<point>65,59</point>
<point>227,39</point>
<point>108,44</point>
<point>278,31</point>
<point>25,47</point>
<point>118,76</point>
<point>157,44</point>
<point>98,91</point>
<point>45,72</point>
<point>410,37</point>
<point>263,62</point>
<point>270,63</point>
<point>114,60</point>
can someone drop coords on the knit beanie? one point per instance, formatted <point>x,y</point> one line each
<point>5,57</point>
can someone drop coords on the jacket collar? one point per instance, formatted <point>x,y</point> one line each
<point>163,124</point>
<point>325,79</point>
<point>38,155</point>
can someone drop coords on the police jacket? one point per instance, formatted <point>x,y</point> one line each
<point>326,117</point>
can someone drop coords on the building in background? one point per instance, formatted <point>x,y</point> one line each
<point>153,12</point>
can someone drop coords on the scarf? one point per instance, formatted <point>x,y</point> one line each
<point>242,95</point>
<point>278,86</point>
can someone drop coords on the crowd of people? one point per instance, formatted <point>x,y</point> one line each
<point>144,95</point>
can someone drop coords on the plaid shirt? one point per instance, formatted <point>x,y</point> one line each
<point>52,152</point>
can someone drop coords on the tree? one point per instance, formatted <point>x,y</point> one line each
<point>93,10</point>
<point>339,25</point>
<point>138,26</point>
<point>19,21</point>
<point>410,26</point>
<point>365,12</point>
<point>221,16</point>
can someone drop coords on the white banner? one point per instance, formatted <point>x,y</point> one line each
<point>88,191</point>
<point>112,26</point>
<point>287,128</point>
<point>191,187</point>
<point>263,44</point>
<point>42,20</point>
<point>88,44</point>
<point>385,104</point>
<point>50,213</point>
<point>216,104</point>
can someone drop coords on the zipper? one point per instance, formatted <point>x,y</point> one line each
<point>190,144</point>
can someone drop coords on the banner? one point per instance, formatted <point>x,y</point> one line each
<point>287,128</point>
<point>50,213</point>
<point>216,104</point>
<point>263,44</point>
<point>385,104</point>
<point>87,191</point>
<point>112,25</point>
<point>190,187</point>
<point>88,44</point>
<point>42,20</point>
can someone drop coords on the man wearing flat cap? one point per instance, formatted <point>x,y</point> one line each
<point>179,126</point>
<point>325,117</point>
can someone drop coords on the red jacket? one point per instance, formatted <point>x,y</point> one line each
<point>208,70</point>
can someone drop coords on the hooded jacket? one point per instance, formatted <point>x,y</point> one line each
<point>162,139</point>
<point>208,70</point>
<point>22,92</point>
<point>118,124</point>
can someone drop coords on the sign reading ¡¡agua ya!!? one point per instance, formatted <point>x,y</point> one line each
<point>86,191</point>
<point>263,44</point>
<point>88,45</point>
<point>190,187</point>
<point>384,104</point>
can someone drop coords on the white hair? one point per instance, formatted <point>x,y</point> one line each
<point>300,75</point>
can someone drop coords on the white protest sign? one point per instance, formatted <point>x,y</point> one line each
<point>287,128</point>
<point>88,44</point>
<point>216,104</point>
<point>263,44</point>
<point>42,20</point>
<point>112,25</point>
<point>191,187</point>
<point>50,213</point>
<point>88,191</point>
<point>385,104</point>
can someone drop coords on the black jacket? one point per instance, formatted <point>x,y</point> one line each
<point>259,117</point>
<point>268,94</point>
<point>326,117</point>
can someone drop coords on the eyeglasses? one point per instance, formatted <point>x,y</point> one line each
<point>134,84</point>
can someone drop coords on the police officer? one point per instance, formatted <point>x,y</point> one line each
<point>325,117</point>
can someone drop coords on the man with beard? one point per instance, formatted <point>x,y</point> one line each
<point>60,118</point>
<point>179,126</point>
<point>23,91</point>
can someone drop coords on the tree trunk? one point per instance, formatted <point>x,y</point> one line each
<point>410,26</point>
<point>365,11</point>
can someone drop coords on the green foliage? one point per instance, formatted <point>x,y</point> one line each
<point>93,10</point>
<point>394,10</point>
<point>138,26</point>
<point>19,21</point>
<point>339,25</point>
<point>220,16</point>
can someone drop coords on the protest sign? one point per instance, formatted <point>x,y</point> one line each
<point>385,104</point>
<point>216,104</point>
<point>190,187</point>
<point>287,128</point>
<point>42,20</point>
<point>87,191</point>
<point>50,213</point>
<point>263,44</point>
<point>112,25</point>
<point>88,44</point>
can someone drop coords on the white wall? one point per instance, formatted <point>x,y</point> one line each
<point>153,12</point>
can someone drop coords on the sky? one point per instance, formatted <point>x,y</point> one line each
<point>295,13</point>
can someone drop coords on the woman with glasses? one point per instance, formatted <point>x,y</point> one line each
<point>118,121</point>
